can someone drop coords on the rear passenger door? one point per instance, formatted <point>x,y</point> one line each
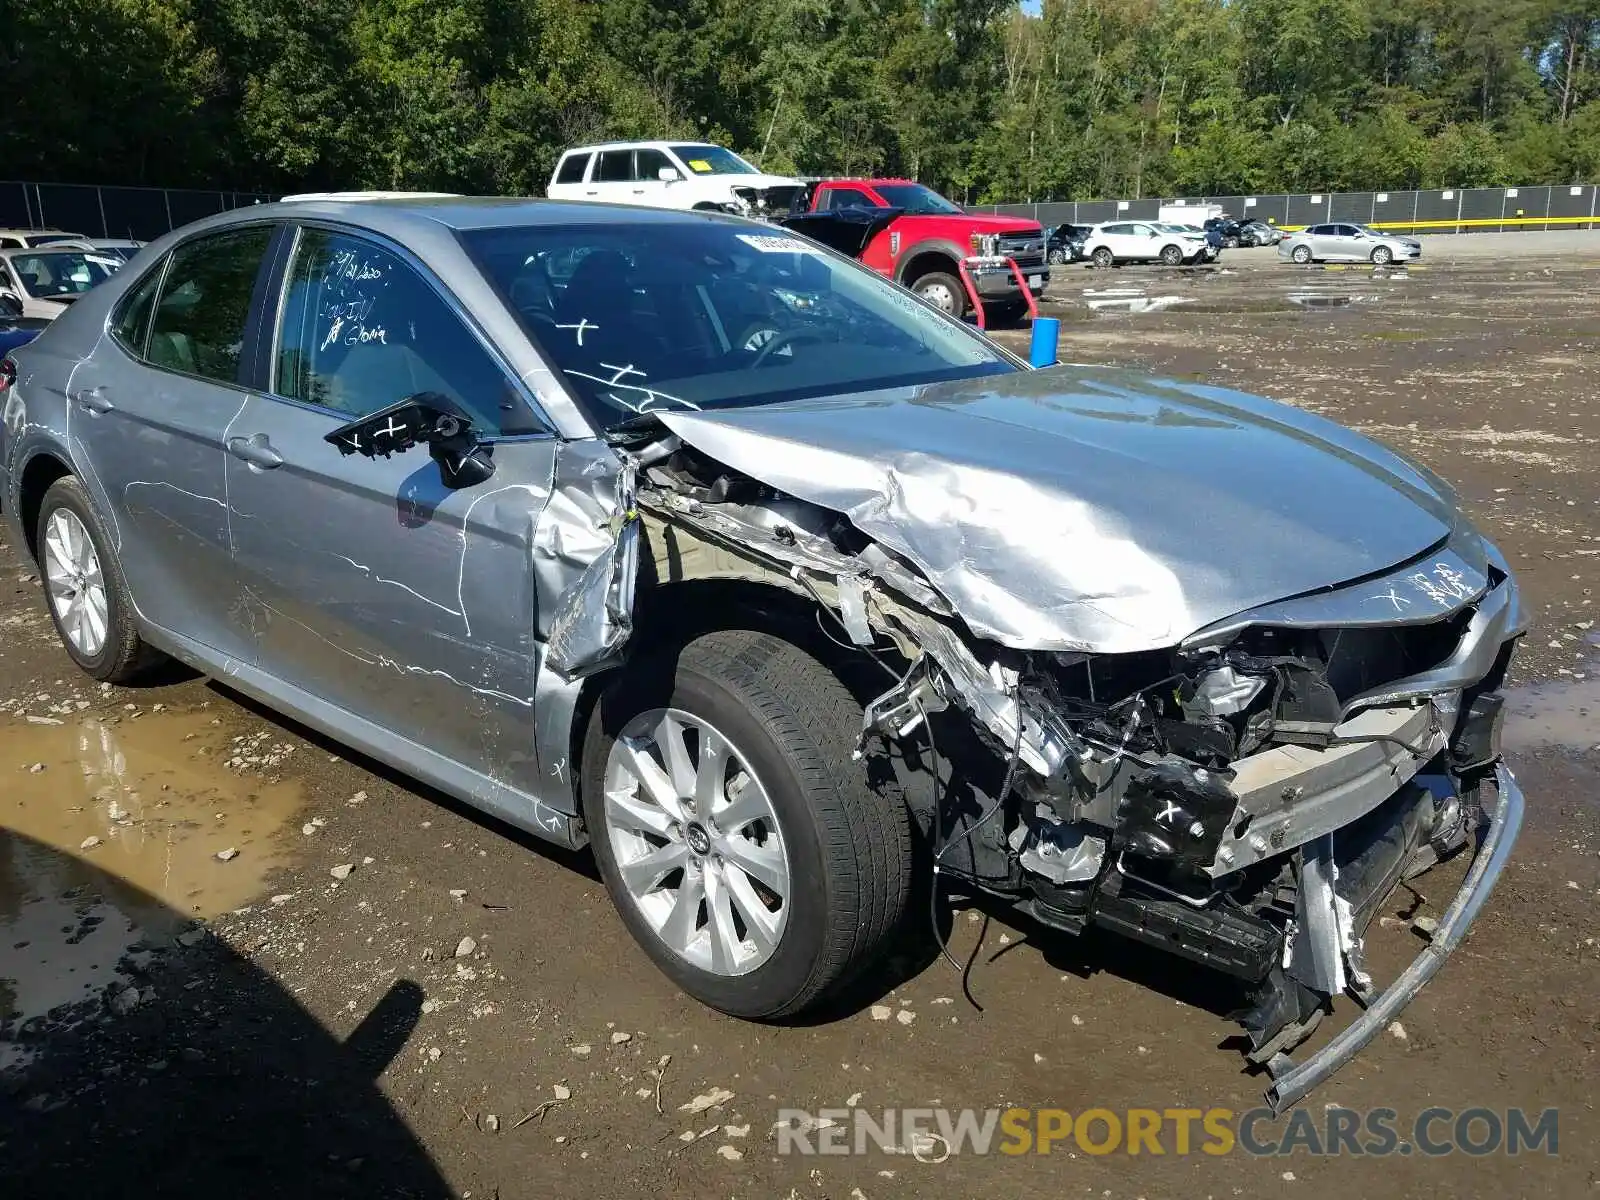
<point>151,410</point>
<point>611,178</point>
<point>379,600</point>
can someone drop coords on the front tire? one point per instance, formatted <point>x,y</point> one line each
<point>1382,256</point>
<point>751,857</point>
<point>1171,256</point>
<point>942,291</point>
<point>1301,254</point>
<point>84,587</point>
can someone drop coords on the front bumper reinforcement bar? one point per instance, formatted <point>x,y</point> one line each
<point>1291,1081</point>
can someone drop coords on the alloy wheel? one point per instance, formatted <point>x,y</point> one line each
<point>696,841</point>
<point>75,584</point>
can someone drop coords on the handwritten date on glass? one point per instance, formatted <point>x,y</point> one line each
<point>424,417</point>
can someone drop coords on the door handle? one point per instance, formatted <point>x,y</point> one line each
<point>255,450</point>
<point>92,400</point>
<point>591,193</point>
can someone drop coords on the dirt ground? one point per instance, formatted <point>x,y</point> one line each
<point>236,961</point>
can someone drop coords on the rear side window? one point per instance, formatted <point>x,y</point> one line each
<point>131,325</point>
<point>571,169</point>
<point>615,166</point>
<point>199,321</point>
<point>362,329</point>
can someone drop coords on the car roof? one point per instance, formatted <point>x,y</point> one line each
<point>31,232</point>
<point>633,145</point>
<point>876,181</point>
<point>409,215</point>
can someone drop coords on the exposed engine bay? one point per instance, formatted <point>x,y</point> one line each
<point>1245,799</point>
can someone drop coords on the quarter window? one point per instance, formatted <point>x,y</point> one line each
<point>572,168</point>
<point>198,325</point>
<point>361,329</point>
<point>132,324</point>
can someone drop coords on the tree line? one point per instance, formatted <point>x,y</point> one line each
<point>987,100</point>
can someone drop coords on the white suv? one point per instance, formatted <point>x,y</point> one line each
<point>670,175</point>
<point>1144,241</point>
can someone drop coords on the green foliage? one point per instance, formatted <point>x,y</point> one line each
<point>986,102</point>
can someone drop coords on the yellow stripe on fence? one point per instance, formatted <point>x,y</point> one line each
<point>1468,223</point>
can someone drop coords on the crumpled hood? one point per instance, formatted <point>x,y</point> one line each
<point>1092,509</point>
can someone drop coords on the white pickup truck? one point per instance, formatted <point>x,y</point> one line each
<point>670,175</point>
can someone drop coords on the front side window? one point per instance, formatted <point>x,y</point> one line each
<point>708,315</point>
<point>647,163</point>
<point>199,321</point>
<point>361,329</point>
<point>849,198</point>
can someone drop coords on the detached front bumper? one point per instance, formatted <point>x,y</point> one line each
<point>1292,1081</point>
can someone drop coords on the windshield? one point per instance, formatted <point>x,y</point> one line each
<point>702,314</point>
<point>50,273</point>
<point>915,199</point>
<point>713,160</point>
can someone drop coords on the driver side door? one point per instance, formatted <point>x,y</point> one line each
<point>374,596</point>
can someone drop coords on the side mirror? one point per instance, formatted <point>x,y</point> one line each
<point>668,175</point>
<point>10,304</point>
<point>425,417</point>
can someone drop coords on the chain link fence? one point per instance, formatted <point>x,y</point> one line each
<point>112,212</point>
<point>1448,210</point>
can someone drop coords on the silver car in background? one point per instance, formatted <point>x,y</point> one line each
<point>1345,242</point>
<point>683,537</point>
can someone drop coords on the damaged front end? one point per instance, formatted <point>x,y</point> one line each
<point>1245,799</point>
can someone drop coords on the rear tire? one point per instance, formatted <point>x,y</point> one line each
<point>839,827</point>
<point>84,587</point>
<point>1104,258</point>
<point>1301,254</point>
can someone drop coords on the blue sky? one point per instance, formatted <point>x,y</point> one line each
<point>1032,7</point>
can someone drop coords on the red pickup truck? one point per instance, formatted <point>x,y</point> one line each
<point>922,243</point>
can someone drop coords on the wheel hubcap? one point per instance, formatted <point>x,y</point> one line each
<point>696,842</point>
<point>77,589</point>
<point>939,295</point>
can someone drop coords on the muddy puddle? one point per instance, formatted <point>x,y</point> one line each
<point>1564,715</point>
<point>1107,301</point>
<point>110,832</point>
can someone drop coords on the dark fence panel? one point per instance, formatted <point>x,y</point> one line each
<point>1274,210</point>
<point>139,213</point>
<point>1439,212</point>
<point>1307,210</point>
<point>117,212</point>
<point>70,207</point>
<point>1572,207</point>
<point>1482,209</point>
<point>1061,212</point>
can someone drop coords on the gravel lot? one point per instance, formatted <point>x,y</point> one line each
<point>379,993</point>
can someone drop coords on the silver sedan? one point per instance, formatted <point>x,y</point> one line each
<point>1348,243</point>
<point>683,537</point>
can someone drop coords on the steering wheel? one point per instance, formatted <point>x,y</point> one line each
<point>777,341</point>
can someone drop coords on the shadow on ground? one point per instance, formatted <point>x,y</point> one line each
<point>181,1069</point>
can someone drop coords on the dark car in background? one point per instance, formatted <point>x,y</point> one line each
<point>1223,232</point>
<point>1065,243</point>
<point>1259,233</point>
